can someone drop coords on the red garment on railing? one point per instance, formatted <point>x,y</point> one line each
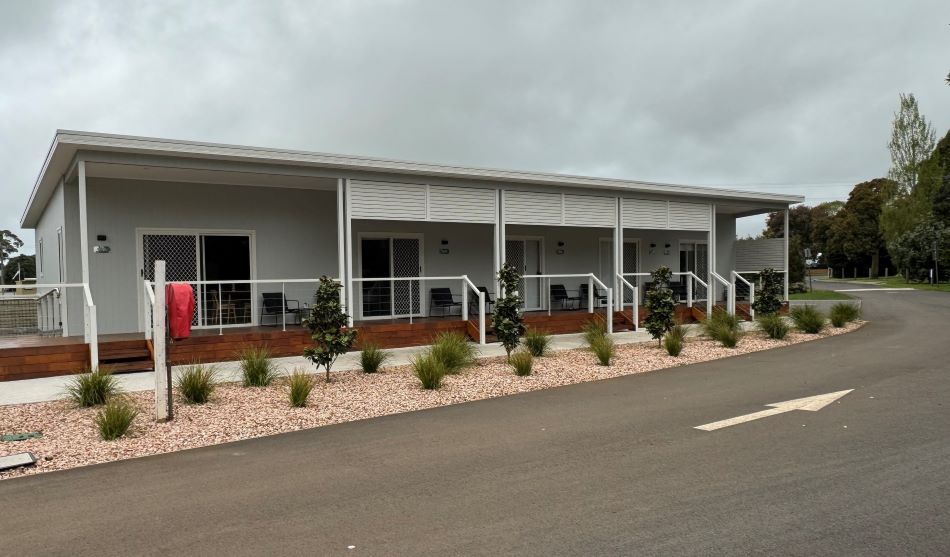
<point>180,300</point>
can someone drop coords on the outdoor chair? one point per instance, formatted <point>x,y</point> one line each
<point>560,296</point>
<point>443,300</point>
<point>473,302</point>
<point>274,304</point>
<point>600,300</point>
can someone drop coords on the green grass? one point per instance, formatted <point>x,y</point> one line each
<point>299,386</point>
<point>896,282</point>
<point>92,388</point>
<point>808,319</point>
<point>842,313</point>
<point>522,361</point>
<point>724,328</point>
<point>603,347</point>
<point>196,384</point>
<point>372,357</point>
<point>454,351</point>
<point>257,368</point>
<point>773,324</point>
<point>819,295</point>
<point>673,340</point>
<point>114,419</point>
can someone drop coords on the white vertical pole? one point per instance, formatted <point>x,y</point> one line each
<point>464,298</point>
<point>84,241</point>
<point>341,244</point>
<point>496,250</point>
<point>618,252</point>
<point>635,311</point>
<point>220,310</point>
<point>689,290</point>
<point>481,317</point>
<point>785,235</point>
<point>610,310</point>
<point>146,305</point>
<point>162,399</point>
<point>502,245</point>
<point>93,338</point>
<point>590,293</point>
<point>711,264</point>
<point>348,239</point>
<point>283,306</point>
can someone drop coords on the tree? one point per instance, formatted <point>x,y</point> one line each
<point>10,243</point>
<point>912,140</point>
<point>659,300</point>
<point>822,217</point>
<point>327,323</point>
<point>796,260</point>
<point>914,251</point>
<point>799,223</point>
<point>904,211</point>
<point>856,237</point>
<point>26,264</point>
<point>507,321</point>
<point>769,297</point>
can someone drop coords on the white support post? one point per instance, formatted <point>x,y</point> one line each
<point>497,249</point>
<point>341,244</point>
<point>348,240</point>
<point>785,235</point>
<point>93,338</point>
<point>220,311</point>
<point>162,396</point>
<point>590,293</point>
<point>83,223</point>
<point>610,310</point>
<point>635,311</point>
<point>502,241</point>
<point>283,306</point>
<point>147,307</point>
<point>618,251</point>
<point>481,317</point>
<point>689,290</point>
<point>711,264</point>
<point>464,298</point>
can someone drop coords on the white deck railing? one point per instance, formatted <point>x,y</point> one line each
<point>730,307</point>
<point>591,294</point>
<point>634,300</point>
<point>414,297</point>
<point>732,293</point>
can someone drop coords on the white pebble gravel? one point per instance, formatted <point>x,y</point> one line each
<point>69,438</point>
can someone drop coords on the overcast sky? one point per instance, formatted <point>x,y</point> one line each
<point>773,96</point>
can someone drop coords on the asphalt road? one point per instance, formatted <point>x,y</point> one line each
<point>606,468</point>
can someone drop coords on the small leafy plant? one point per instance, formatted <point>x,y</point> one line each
<point>507,320</point>
<point>92,388</point>
<point>114,419</point>
<point>722,327</point>
<point>660,303</point>
<point>808,319</point>
<point>768,297</point>
<point>196,383</point>
<point>538,342</point>
<point>372,357</point>
<point>299,386</point>
<point>428,369</point>
<point>257,368</point>
<point>327,324</point>
<point>842,313</point>
<point>454,351</point>
<point>522,361</point>
<point>773,324</point>
<point>674,339</point>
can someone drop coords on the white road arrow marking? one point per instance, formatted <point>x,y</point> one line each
<point>811,404</point>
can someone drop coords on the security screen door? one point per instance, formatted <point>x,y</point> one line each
<point>694,256</point>
<point>386,258</point>
<point>524,254</point>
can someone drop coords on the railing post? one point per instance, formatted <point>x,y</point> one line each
<point>147,314</point>
<point>464,298</point>
<point>220,312</point>
<point>751,301</point>
<point>689,290</point>
<point>590,293</point>
<point>93,338</point>
<point>163,401</point>
<point>481,317</point>
<point>409,294</point>
<point>283,305</point>
<point>610,310</point>
<point>635,310</point>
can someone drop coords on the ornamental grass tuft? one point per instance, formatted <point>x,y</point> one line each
<point>808,319</point>
<point>773,325</point>
<point>196,383</point>
<point>674,339</point>
<point>538,342</point>
<point>299,387</point>
<point>522,361</point>
<point>92,388</point>
<point>114,419</point>
<point>843,312</point>
<point>372,357</point>
<point>454,351</point>
<point>429,369</point>
<point>722,327</point>
<point>257,368</point>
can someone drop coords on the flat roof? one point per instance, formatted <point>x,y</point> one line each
<point>66,143</point>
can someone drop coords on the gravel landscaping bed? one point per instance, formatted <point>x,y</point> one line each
<point>69,438</point>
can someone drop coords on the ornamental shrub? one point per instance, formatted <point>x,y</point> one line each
<point>299,386</point>
<point>808,319</point>
<point>659,302</point>
<point>522,361</point>
<point>196,383</point>
<point>92,388</point>
<point>507,321</point>
<point>724,328</point>
<point>454,351</point>
<point>372,357</point>
<point>115,418</point>
<point>773,324</point>
<point>327,323</point>
<point>842,313</point>
<point>537,342</point>
<point>768,299</point>
<point>428,369</point>
<point>674,339</point>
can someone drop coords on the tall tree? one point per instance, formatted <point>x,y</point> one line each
<point>822,217</point>
<point>912,141</point>
<point>25,264</point>
<point>10,243</point>
<point>856,237</point>
<point>930,198</point>
<point>799,223</point>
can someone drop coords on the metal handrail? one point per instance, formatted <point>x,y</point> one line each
<point>730,308</point>
<point>635,303</point>
<point>591,279</point>
<point>751,286</point>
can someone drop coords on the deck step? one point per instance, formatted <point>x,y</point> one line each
<point>130,366</point>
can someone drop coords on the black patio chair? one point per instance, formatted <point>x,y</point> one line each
<point>473,302</point>
<point>560,296</point>
<point>444,300</point>
<point>276,305</point>
<point>600,300</point>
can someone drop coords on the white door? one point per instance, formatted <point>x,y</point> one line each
<point>526,255</point>
<point>386,258</point>
<point>180,253</point>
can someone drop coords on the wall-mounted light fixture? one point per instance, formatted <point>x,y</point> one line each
<point>560,248</point>
<point>100,247</point>
<point>666,249</point>
<point>652,248</point>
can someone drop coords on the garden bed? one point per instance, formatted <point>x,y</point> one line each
<point>69,438</point>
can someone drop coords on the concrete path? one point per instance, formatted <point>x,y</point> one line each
<point>611,467</point>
